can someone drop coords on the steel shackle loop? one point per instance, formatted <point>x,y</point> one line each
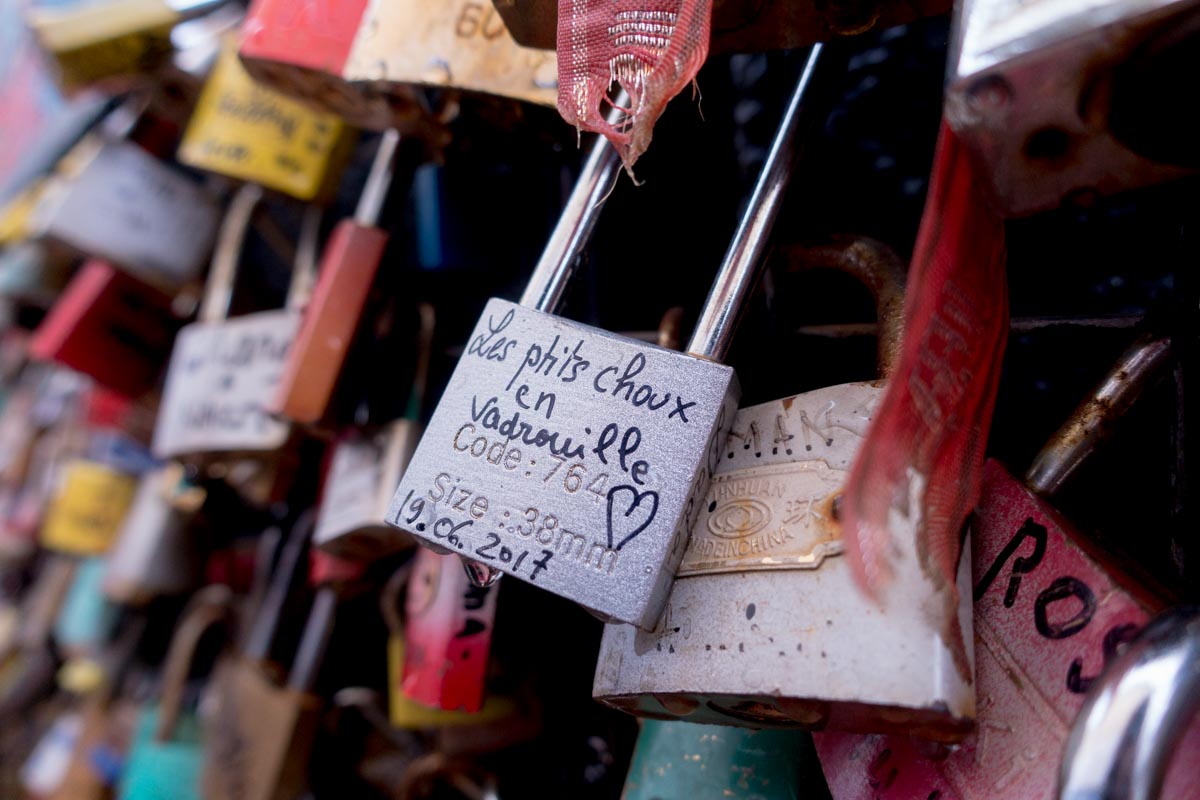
<point>1139,709</point>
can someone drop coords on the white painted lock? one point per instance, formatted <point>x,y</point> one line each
<point>123,205</point>
<point>223,372</point>
<point>765,625</point>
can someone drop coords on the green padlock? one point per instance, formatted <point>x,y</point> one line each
<point>166,755</point>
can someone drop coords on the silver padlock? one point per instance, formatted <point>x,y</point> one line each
<point>154,553</point>
<point>365,469</point>
<point>223,372</point>
<point>113,200</point>
<point>573,458</point>
<point>765,625</point>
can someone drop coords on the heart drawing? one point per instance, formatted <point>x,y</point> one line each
<point>623,519</point>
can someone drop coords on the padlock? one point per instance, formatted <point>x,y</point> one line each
<point>407,713</point>
<point>1137,714</point>
<point>331,316</point>
<point>88,507</point>
<point>92,41</point>
<point>110,326</point>
<point>1048,617</point>
<point>166,756</point>
<point>114,201</point>
<point>246,131</point>
<point>301,51</point>
<point>87,619</point>
<point>155,554</point>
<point>678,760</point>
<point>1064,102</point>
<point>258,733</point>
<point>447,634</point>
<point>609,443</point>
<point>765,625</point>
<point>462,45</point>
<point>223,371</point>
<point>366,467</point>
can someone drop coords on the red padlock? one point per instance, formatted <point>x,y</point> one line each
<point>331,317</point>
<point>1048,617</point>
<point>111,326</point>
<point>447,634</point>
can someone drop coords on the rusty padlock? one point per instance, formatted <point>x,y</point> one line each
<point>249,132</point>
<point>1048,617</point>
<point>765,625</point>
<point>223,372</point>
<point>366,467</point>
<point>580,467</point>
<point>111,326</point>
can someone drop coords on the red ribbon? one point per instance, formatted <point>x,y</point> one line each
<point>926,442</point>
<point>652,48</point>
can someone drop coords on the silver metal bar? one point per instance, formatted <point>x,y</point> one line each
<point>310,653</point>
<point>549,281</point>
<point>1122,741</point>
<point>379,180</point>
<point>308,259</point>
<point>743,260</point>
<point>1095,417</point>
<point>218,292</point>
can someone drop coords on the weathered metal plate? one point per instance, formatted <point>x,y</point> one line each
<point>569,457</point>
<point>745,26</point>
<point>219,381</point>
<point>1033,89</point>
<point>1047,619</point>
<point>766,625</point>
<point>460,44</point>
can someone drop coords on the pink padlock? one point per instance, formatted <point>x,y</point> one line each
<point>1048,618</point>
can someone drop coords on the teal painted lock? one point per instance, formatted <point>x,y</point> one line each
<point>87,618</point>
<point>683,760</point>
<point>166,755</point>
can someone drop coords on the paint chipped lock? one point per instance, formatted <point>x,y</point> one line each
<point>765,626</point>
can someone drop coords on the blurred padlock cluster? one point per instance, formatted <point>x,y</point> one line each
<point>671,400</point>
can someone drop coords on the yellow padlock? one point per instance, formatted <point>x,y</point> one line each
<point>90,41</point>
<point>246,131</point>
<point>86,512</point>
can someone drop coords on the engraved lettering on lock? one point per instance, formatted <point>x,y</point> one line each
<point>636,393</point>
<point>497,454</point>
<point>488,345</point>
<point>542,361</point>
<point>513,429</point>
<point>768,517</point>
